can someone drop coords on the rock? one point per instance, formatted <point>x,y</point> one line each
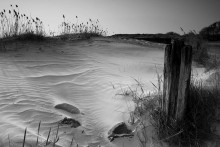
<point>69,121</point>
<point>68,108</point>
<point>119,130</point>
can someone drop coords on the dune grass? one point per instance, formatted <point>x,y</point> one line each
<point>197,127</point>
<point>16,25</point>
<point>46,143</point>
<point>90,27</point>
<point>40,144</point>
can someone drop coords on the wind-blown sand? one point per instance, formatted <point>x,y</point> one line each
<point>85,74</point>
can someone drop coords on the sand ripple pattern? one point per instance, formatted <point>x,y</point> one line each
<point>80,74</point>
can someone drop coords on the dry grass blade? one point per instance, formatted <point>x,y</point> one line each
<point>56,138</point>
<point>38,131</point>
<point>72,142</point>
<point>57,130</point>
<point>172,136</point>
<point>154,85</point>
<point>24,137</point>
<point>9,141</point>
<point>48,137</point>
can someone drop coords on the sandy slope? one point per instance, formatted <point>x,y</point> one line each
<point>86,74</point>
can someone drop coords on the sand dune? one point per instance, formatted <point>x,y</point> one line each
<point>85,74</point>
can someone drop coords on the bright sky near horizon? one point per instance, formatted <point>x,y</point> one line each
<point>125,16</point>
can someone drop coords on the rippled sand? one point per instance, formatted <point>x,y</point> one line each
<point>86,74</point>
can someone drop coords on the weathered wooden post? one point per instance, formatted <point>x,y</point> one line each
<point>177,72</point>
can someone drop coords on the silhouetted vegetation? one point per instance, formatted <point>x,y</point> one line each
<point>212,32</point>
<point>90,27</point>
<point>16,25</point>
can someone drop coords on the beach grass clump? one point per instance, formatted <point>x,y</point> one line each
<point>196,128</point>
<point>145,104</point>
<point>13,24</point>
<point>90,28</point>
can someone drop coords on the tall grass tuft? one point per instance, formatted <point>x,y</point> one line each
<point>91,27</point>
<point>14,23</point>
<point>197,126</point>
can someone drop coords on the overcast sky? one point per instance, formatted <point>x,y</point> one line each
<point>125,16</point>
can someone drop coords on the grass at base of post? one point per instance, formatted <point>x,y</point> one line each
<point>197,126</point>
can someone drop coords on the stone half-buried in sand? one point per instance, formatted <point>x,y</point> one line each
<point>119,130</point>
<point>68,108</point>
<point>70,122</point>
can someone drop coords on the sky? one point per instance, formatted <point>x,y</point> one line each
<point>124,16</point>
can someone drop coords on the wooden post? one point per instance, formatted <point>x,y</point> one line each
<point>177,72</point>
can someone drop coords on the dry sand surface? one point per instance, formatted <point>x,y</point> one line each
<point>37,76</point>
